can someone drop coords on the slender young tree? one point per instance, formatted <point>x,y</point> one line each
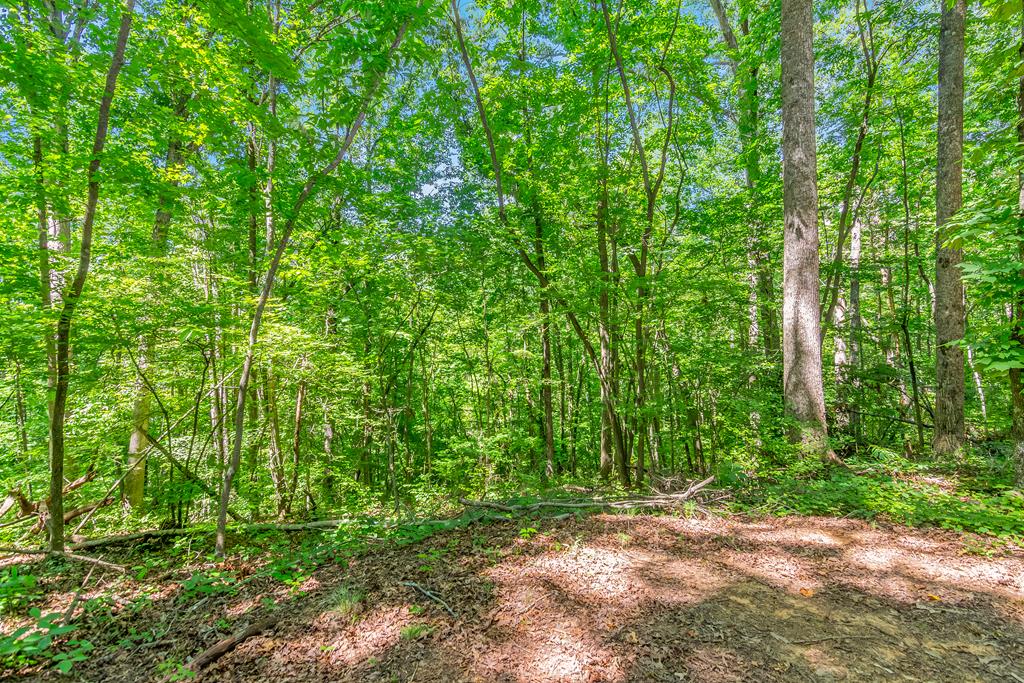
<point>950,318</point>
<point>74,293</point>
<point>801,313</point>
<point>268,285</point>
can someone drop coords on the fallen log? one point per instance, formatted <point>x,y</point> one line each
<point>656,501</point>
<point>128,538</point>
<point>16,497</point>
<point>226,645</point>
<point>157,533</point>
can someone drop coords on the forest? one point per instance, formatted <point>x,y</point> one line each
<point>512,340</point>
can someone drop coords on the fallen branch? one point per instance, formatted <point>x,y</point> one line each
<point>657,501</point>
<point>99,563</point>
<point>157,533</point>
<point>16,497</point>
<point>322,524</point>
<point>430,594</point>
<point>70,611</point>
<point>128,538</point>
<point>79,511</point>
<point>67,556</point>
<point>81,481</point>
<point>222,647</point>
<point>70,514</point>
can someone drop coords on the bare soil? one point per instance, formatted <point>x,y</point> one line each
<point>610,598</point>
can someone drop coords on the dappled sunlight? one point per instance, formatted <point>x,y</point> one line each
<point>774,568</point>
<point>242,607</point>
<point>592,574</point>
<point>674,581</point>
<point>375,632</point>
<point>616,599</point>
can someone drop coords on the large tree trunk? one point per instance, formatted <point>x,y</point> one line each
<point>1016,380</point>
<point>55,520</point>
<point>605,335</point>
<point>950,319</point>
<point>801,312</point>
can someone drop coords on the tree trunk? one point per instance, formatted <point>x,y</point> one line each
<point>605,336</point>
<point>135,482</point>
<point>275,452</point>
<point>801,310</point>
<point>300,399</point>
<point>46,283</point>
<point>55,510</point>
<point>1016,380</point>
<point>855,331</point>
<point>950,319</point>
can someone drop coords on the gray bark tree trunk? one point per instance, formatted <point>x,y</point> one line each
<point>801,308</point>
<point>950,319</point>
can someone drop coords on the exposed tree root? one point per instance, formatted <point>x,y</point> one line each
<point>226,645</point>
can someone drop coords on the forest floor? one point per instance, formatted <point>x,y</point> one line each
<point>602,598</point>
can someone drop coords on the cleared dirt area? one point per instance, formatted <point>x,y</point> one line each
<point>622,598</point>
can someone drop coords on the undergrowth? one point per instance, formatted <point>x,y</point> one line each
<point>968,496</point>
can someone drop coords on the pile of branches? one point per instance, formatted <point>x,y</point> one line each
<point>39,510</point>
<point>690,493</point>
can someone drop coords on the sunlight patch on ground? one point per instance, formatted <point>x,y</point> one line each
<point>588,574</point>
<point>774,568</point>
<point>340,644</point>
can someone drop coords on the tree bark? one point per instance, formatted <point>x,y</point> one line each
<point>293,487</point>
<point>801,311</point>
<point>950,318</point>
<point>855,330</point>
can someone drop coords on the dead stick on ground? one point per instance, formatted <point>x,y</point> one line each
<point>70,612</point>
<point>67,556</point>
<point>222,647</point>
<point>430,594</point>
<point>812,641</point>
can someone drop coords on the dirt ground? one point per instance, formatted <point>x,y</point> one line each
<point>616,598</point>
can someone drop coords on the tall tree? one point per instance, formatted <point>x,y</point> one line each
<point>1016,378</point>
<point>950,316</point>
<point>801,313</point>
<point>74,291</point>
